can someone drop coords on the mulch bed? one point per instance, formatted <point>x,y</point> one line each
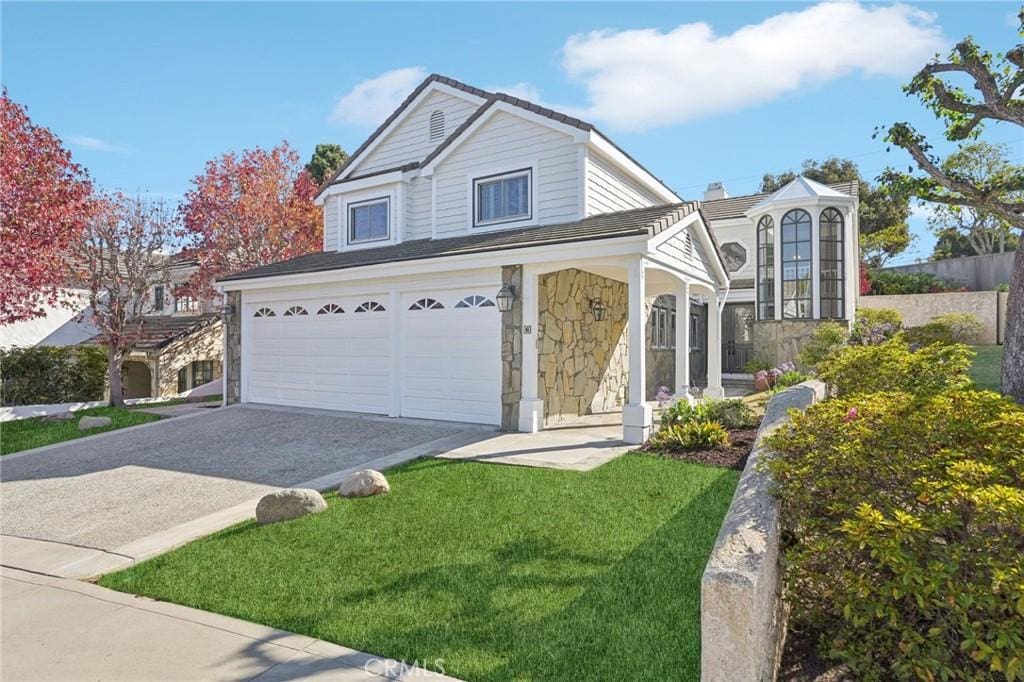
<point>732,456</point>
<point>801,663</point>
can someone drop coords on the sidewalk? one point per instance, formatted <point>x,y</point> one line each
<point>59,629</point>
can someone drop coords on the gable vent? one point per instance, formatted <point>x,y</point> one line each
<point>437,126</point>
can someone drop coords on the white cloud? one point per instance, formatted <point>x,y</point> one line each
<point>93,144</point>
<point>522,90</point>
<point>638,79</point>
<point>371,101</point>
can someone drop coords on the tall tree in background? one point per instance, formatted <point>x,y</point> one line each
<point>325,162</point>
<point>250,209</point>
<point>44,203</point>
<point>123,253</point>
<point>997,81</point>
<point>957,225</point>
<point>884,230</point>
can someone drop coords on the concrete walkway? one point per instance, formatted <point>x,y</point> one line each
<point>58,629</point>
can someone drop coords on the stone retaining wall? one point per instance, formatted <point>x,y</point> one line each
<point>742,618</point>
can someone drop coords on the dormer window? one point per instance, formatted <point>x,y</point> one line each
<point>437,126</point>
<point>369,221</point>
<point>502,198</point>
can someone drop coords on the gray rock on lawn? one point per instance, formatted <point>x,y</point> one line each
<point>86,423</point>
<point>290,503</point>
<point>364,484</point>
<point>59,417</point>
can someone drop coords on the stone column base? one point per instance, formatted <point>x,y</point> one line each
<point>716,392</point>
<point>636,423</point>
<point>531,415</point>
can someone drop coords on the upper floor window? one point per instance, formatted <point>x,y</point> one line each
<point>437,126</point>
<point>502,198</point>
<point>796,264</point>
<point>831,263</point>
<point>183,303</point>
<point>368,221</point>
<point>766,268</point>
<point>158,298</point>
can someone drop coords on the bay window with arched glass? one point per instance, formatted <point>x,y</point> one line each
<point>830,241</point>
<point>796,264</point>
<point>766,268</point>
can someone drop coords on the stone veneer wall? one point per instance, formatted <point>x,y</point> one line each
<point>583,364</point>
<point>234,349</point>
<point>778,341</point>
<point>206,344</point>
<point>512,351</point>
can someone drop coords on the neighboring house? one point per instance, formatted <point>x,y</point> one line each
<point>486,260</point>
<point>181,336</point>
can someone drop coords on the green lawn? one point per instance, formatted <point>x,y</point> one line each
<point>25,434</point>
<point>987,367</point>
<point>503,572</point>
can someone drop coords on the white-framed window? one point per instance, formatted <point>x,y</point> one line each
<point>369,220</point>
<point>183,303</point>
<point>663,327</point>
<point>502,198</point>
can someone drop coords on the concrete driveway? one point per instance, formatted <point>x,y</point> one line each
<point>140,491</point>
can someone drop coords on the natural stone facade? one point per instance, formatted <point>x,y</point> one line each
<point>512,350</point>
<point>583,364</point>
<point>234,349</point>
<point>779,341</point>
<point>204,344</point>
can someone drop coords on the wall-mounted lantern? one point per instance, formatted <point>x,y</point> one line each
<point>227,310</point>
<point>505,297</point>
<point>598,308</point>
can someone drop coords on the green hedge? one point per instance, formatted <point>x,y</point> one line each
<point>52,374</point>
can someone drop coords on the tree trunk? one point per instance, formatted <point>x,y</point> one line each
<point>1013,342</point>
<point>114,361</point>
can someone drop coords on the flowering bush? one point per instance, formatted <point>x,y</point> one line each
<point>893,366</point>
<point>903,531</point>
<point>690,435</point>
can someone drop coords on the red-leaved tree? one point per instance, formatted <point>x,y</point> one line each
<point>44,204</point>
<point>250,209</point>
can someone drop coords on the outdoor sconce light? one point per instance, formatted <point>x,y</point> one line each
<point>598,308</point>
<point>227,310</point>
<point>506,296</point>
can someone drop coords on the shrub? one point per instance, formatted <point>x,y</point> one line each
<point>889,282</point>
<point>893,366</point>
<point>787,379</point>
<point>756,365</point>
<point>691,435</point>
<point>52,374</point>
<point>872,326</point>
<point>827,338</point>
<point>682,411</point>
<point>946,329</point>
<point>732,413</point>
<point>903,541</point>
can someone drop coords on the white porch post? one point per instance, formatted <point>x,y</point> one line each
<point>682,338</point>
<point>531,407</point>
<point>714,389</point>
<point>636,415</point>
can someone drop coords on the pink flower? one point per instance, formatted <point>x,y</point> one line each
<point>851,415</point>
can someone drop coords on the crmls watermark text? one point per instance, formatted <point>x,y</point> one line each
<point>385,667</point>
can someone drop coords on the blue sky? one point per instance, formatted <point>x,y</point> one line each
<point>145,93</point>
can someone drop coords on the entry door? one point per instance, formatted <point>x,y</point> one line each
<point>737,336</point>
<point>698,343</point>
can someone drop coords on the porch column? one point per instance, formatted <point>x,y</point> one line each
<point>531,407</point>
<point>683,338</point>
<point>714,389</point>
<point>636,415</point>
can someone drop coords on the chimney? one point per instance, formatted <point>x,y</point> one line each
<point>714,191</point>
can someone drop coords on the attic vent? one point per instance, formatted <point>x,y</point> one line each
<point>437,126</point>
<point>689,244</point>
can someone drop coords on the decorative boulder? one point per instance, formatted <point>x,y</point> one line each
<point>86,423</point>
<point>59,417</point>
<point>761,382</point>
<point>290,503</point>
<point>364,484</point>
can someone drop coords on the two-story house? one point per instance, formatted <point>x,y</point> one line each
<point>486,260</point>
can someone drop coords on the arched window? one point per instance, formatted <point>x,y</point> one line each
<point>475,301</point>
<point>796,264</point>
<point>329,309</point>
<point>370,307</point>
<point>427,304</point>
<point>766,268</point>
<point>830,236</point>
<point>295,310</point>
<point>265,312</point>
<point>437,126</point>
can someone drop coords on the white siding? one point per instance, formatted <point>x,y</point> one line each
<point>608,189</point>
<point>503,143</point>
<point>417,214</point>
<point>331,223</point>
<point>410,141</point>
<point>686,247</point>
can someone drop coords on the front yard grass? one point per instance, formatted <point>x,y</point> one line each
<point>25,434</point>
<point>986,369</point>
<point>490,572</point>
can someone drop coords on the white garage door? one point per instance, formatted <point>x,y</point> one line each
<point>333,354</point>
<point>451,356</point>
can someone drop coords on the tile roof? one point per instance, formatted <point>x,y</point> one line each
<point>734,207</point>
<point>159,331</point>
<point>640,221</point>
